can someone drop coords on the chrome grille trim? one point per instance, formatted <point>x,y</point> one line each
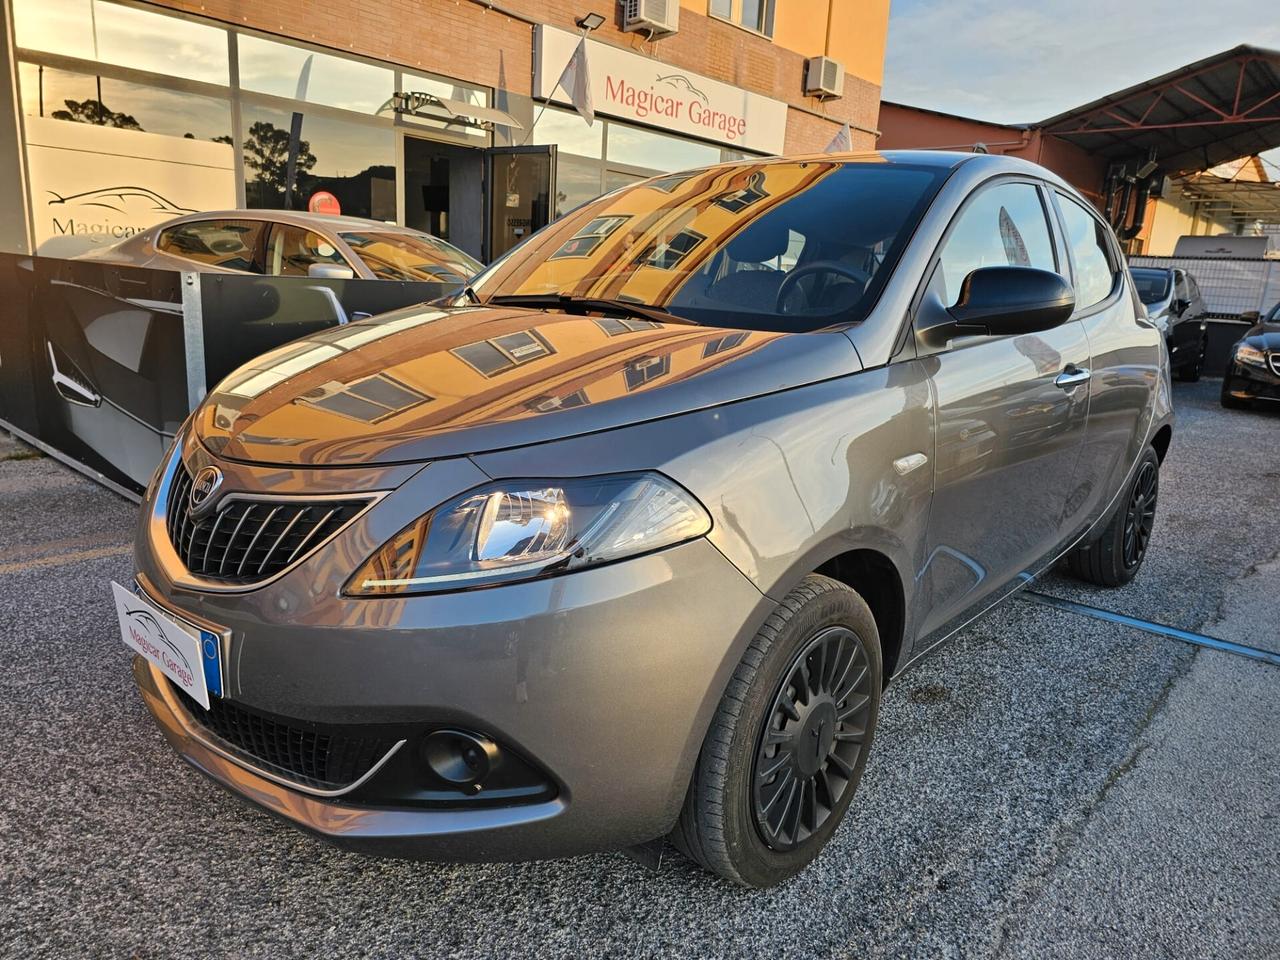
<point>1274,360</point>
<point>269,534</point>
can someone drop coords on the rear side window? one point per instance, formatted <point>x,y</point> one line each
<point>230,244</point>
<point>1090,252</point>
<point>1003,226</point>
<point>292,250</point>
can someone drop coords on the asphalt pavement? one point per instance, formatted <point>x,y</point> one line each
<point>1047,785</point>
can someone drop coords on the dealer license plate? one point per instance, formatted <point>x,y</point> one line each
<point>189,656</point>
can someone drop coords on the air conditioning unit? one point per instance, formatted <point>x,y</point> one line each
<point>660,18</point>
<point>823,78</point>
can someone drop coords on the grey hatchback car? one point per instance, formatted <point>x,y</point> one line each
<point>626,543</point>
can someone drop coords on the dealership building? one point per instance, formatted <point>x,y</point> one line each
<point>444,115</point>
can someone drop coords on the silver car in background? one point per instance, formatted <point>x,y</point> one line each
<point>627,542</point>
<point>283,243</point>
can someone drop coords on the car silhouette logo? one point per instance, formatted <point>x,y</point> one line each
<point>204,486</point>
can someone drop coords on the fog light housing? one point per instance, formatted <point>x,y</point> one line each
<point>461,758</point>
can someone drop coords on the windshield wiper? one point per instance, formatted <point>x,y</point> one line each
<point>471,295</point>
<point>572,304</point>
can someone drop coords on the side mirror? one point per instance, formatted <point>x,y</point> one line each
<point>1000,302</point>
<point>330,271</point>
<point>1251,316</point>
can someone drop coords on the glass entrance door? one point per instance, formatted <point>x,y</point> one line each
<point>443,191</point>
<point>520,187</point>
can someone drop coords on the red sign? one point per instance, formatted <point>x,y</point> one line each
<point>322,201</point>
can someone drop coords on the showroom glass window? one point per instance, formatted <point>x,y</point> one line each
<point>1095,270</point>
<point>1002,226</point>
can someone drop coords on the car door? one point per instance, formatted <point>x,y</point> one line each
<point>1184,325</point>
<point>1010,416</point>
<point>292,250</point>
<point>1125,361</point>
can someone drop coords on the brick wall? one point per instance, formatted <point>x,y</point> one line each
<point>464,39</point>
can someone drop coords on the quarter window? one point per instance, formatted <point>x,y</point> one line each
<point>1090,253</point>
<point>230,244</point>
<point>1003,226</point>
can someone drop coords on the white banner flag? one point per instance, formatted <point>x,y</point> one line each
<point>576,82</point>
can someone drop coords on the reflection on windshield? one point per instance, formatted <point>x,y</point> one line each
<point>405,256</point>
<point>784,246</point>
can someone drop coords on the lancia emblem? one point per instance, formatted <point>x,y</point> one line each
<point>204,486</point>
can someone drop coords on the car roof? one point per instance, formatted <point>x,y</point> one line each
<point>295,217</point>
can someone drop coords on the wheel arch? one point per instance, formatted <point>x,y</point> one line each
<point>1161,441</point>
<point>876,579</point>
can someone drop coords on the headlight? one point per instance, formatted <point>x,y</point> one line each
<point>1248,354</point>
<point>521,529</point>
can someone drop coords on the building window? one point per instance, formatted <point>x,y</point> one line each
<point>669,254</point>
<point>721,344</point>
<point>550,404</point>
<point>645,370</point>
<point>584,242</point>
<point>738,200</point>
<point>500,354</point>
<point>354,161</point>
<point>369,401</point>
<point>755,15</point>
<point>615,326</point>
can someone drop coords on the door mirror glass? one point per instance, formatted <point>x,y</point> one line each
<point>1009,301</point>
<point>330,271</point>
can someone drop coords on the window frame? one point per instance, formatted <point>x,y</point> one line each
<point>1115,258</point>
<point>768,14</point>
<point>905,344</point>
<point>258,248</point>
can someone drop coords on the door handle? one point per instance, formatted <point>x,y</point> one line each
<point>1072,376</point>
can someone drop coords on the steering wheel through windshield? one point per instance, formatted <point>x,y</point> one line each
<point>788,286</point>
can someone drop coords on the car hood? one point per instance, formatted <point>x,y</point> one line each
<point>425,383</point>
<point>1264,336</point>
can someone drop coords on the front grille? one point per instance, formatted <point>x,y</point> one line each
<point>322,759</point>
<point>247,540</point>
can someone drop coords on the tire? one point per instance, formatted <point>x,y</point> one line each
<point>1114,557</point>
<point>824,632</point>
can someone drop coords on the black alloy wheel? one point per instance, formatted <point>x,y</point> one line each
<point>782,758</point>
<point>1140,516</point>
<point>1113,555</point>
<point>809,749</point>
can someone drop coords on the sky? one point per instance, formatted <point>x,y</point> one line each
<point>1021,62</point>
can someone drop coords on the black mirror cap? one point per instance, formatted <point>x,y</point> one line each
<point>1251,316</point>
<point>1007,301</point>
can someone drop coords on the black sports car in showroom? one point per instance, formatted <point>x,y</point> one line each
<point>1253,368</point>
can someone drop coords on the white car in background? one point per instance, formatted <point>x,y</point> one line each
<point>283,243</point>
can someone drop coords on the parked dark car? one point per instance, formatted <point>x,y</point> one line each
<point>1253,367</point>
<point>1172,298</point>
<point>627,543</point>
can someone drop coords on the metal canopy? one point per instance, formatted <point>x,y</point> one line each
<point>1218,109</point>
<point>1240,200</point>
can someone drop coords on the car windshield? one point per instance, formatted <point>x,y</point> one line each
<point>411,256</point>
<point>1153,285</point>
<point>784,246</point>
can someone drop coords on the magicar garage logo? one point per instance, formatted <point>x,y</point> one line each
<point>675,96</point>
<point>148,634</point>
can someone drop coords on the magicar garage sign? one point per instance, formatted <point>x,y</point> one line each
<point>632,87</point>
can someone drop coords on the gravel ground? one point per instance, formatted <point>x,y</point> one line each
<point>1047,785</point>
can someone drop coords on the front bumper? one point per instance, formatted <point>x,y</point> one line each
<point>605,680</point>
<point>1244,381</point>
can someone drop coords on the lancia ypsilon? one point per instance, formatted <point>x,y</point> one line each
<point>626,542</point>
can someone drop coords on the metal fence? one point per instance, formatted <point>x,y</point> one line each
<point>1230,287</point>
